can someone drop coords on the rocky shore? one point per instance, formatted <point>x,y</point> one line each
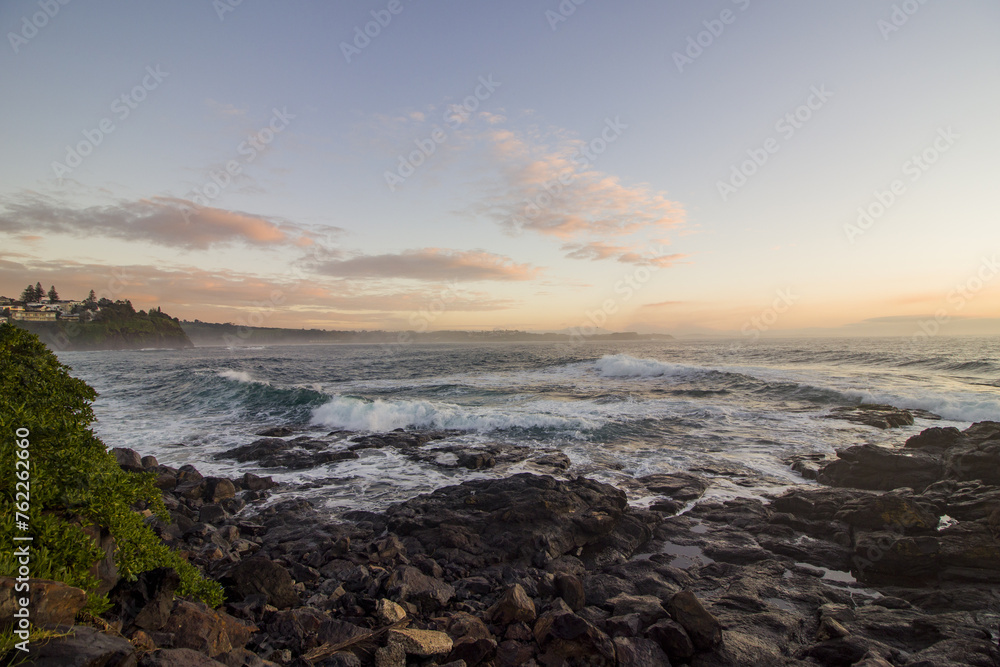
<point>893,558</point>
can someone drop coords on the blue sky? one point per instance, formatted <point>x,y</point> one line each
<point>633,127</point>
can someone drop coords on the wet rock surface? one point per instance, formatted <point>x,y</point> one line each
<point>533,569</point>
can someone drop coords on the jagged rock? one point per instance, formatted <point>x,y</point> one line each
<point>526,518</point>
<point>49,602</point>
<point>879,416</point>
<point>196,626</point>
<point>421,642</point>
<point>628,625</point>
<point>634,652</point>
<point>672,637</point>
<point>389,612</point>
<point>887,511</point>
<point>647,606</point>
<point>513,606</point>
<point>567,638</point>
<point>678,485</point>
<point>86,647</point>
<point>702,627</point>
<point>261,575</point>
<point>147,602</point>
<point>410,584</point>
<point>880,468</point>
<point>296,454</point>
<point>252,482</point>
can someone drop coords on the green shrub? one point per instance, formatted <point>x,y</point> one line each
<point>74,480</point>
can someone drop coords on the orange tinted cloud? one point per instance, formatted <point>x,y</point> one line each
<point>159,220</point>
<point>431,264</point>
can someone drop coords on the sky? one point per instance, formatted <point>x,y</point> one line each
<point>731,167</point>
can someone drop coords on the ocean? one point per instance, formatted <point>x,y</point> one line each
<point>728,409</point>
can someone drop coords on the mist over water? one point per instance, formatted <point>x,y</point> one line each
<point>730,409</point>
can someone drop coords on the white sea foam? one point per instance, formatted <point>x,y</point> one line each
<point>623,365</point>
<point>360,414</point>
<point>240,376</point>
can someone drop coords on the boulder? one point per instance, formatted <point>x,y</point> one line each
<point>635,652</point>
<point>147,602</point>
<point>411,585</point>
<point>702,627</point>
<point>881,468</point>
<point>196,626</point>
<point>879,416</point>
<point>672,638</point>
<point>513,606</point>
<point>85,647</point>
<point>49,602</point>
<point>566,638</point>
<point>128,459</point>
<point>264,576</point>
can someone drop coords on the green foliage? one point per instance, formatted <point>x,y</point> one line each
<point>74,482</point>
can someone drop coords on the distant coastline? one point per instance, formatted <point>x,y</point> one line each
<point>209,334</point>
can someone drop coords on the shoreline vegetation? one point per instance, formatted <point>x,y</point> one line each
<point>890,558</point>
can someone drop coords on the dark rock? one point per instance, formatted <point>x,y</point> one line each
<point>647,606</point>
<point>86,647</point>
<point>887,511</point>
<point>261,575</point>
<point>879,416</point>
<point>252,482</point>
<point>880,468</point>
<point>935,439</point>
<point>628,625</point>
<point>702,627</point>
<point>218,489</point>
<point>196,626</point>
<point>570,589</point>
<point>147,602</point>
<point>526,518</point>
<point>677,486</point>
<point>473,651</point>
<point>212,514</point>
<point>672,637</point>
<point>566,638</point>
<point>149,463</point>
<point>409,584</point>
<point>128,459</point>
<point>633,652</point>
<point>513,606</point>
<point>276,432</point>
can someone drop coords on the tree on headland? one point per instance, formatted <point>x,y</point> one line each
<point>39,292</point>
<point>53,294</point>
<point>28,295</point>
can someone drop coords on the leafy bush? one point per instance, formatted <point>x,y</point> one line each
<point>74,480</point>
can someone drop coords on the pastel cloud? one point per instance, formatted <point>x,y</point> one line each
<point>430,264</point>
<point>159,220</point>
<point>598,250</point>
